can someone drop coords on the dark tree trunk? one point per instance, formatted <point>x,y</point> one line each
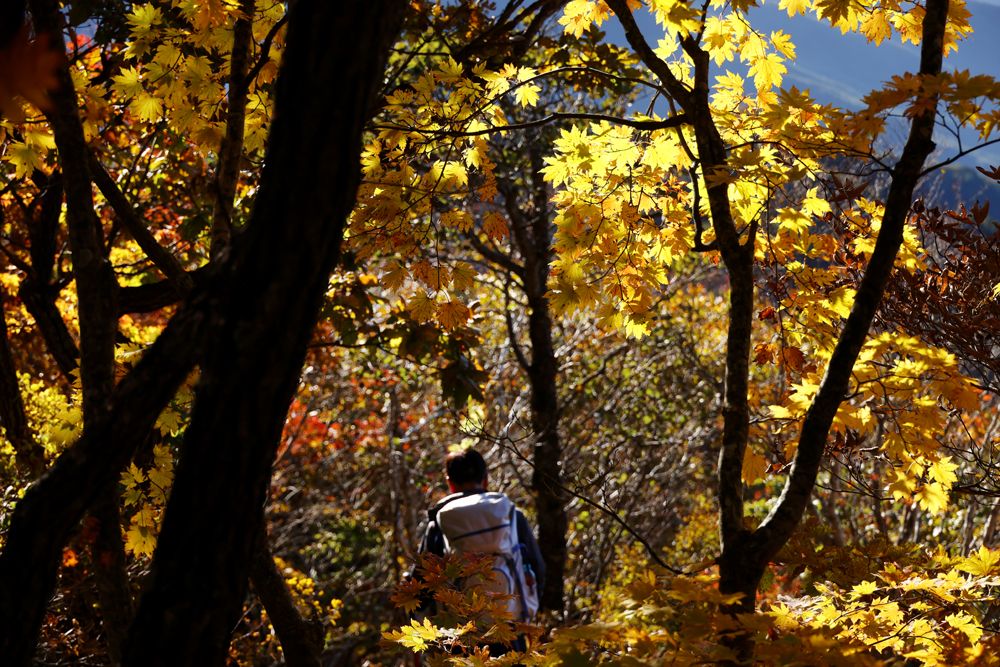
<point>231,151</point>
<point>550,497</point>
<point>45,517</point>
<point>40,301</point>
<point>27,452</point>
<point>301,640</point>
<point>282,262</point>
<point>96,289</point>
<point>39,290</point>
<point>110,574</point>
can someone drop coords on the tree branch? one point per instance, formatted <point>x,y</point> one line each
<point>779,525</point>
<point>646,125</point>
<point>265,51</point>
<point>136,228</point>
<point>28,453</point>
<point>231,150</point>
<point>657,65</point>
<point>50,510</point>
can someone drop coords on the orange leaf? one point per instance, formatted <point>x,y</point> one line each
<point>27,70</point>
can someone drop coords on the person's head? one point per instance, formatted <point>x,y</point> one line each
<point>466,470</point>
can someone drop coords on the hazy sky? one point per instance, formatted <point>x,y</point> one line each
<point>842,69</point>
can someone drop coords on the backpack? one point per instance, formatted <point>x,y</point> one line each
<point>485,523</point>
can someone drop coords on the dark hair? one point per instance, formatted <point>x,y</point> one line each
<point>465,467</point>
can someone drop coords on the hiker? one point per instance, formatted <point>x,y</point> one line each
<point>475,520</point>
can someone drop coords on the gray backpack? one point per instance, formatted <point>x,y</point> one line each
<point>484,523</point>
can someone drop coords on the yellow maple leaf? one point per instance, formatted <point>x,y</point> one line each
<point>754,466</point>
<point>767,71</point>
<point>943,472</point>
<point>421,306</point>
<point>782,42</point>
<point>147,107</point>
<point>864,588</point>
<point>128,82</point>
<point>527,94</point>
<point>495,226</point>
<point>463,276</point>
<point>581,14</point>
<point>394,277</point>
<point>932,497</point>
<point>981,563</point>
<point>876,27</point>
<point>25,159</point>
<point>794,7</point>
<point>143,18</point>
<point>457,219</point>
<point>140,540</point>
<point>450,70</point>
<point>967,624</point>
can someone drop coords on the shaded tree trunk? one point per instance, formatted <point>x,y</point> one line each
<point>267,309</point>
<point>27,452</point>
<point>96,289</point>
<point>550,498</point>
<point>301,640</point>
<point>50,510</point>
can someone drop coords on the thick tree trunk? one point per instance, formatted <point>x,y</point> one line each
<point>324,93</point>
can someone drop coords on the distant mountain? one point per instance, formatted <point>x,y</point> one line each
<point>842,69</point>
<point>954,186</point>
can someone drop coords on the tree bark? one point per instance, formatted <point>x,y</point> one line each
<point>532,234</point>
<point>745,553</point>
<point>27,452</point>
<point>781,522</point>
<point>325,90</point>
<point>231,151</point>
<point>39,290</point>
<point>96,288</point>
<point>301,640</point>
<point>45,517</point>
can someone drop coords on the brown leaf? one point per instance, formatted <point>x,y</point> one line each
<point>794,358</point>
<point>27,70</point>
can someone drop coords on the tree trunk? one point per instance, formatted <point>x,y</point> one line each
<point>50,510</point>
<point>531,232</point>
<point>325,90</point>
<point>301,640</point>
<point>739,563</point>
<point>27,452</point>
<point>550,499</point>
<point>96,289</point>
<point>114,593</point>
<point>231,151</point>
<point>745,553</point>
